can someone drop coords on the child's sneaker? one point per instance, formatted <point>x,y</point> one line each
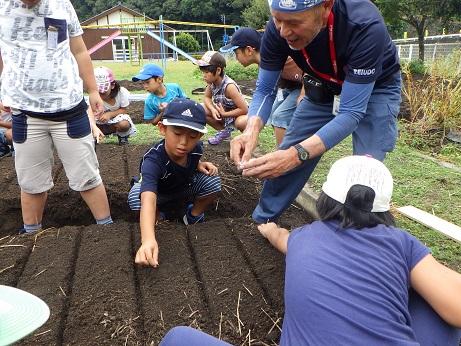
<point>189,219</point>
<point>122,140</point>
<point>220,136</point>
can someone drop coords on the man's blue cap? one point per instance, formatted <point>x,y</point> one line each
<point>243,37</point>
<point>294,5</point>
<point>148,71</point>
<point>185,113</point>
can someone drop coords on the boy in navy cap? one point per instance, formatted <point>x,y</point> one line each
<point>171,173</point>
<point>160,94</point>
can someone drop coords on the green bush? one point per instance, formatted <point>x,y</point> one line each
<point>197,74</point>
<point>415,67</point>
<point>187,42</point>
<point>235,71</point>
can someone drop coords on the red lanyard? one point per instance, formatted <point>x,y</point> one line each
<point>332,55</point>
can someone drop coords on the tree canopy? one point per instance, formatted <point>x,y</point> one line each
<point>399,14</point>
<point>419,14</point>
<point>208,11</point>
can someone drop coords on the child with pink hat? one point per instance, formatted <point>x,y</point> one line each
<point>114,119</point>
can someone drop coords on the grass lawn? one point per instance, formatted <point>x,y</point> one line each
<point>418,182</point>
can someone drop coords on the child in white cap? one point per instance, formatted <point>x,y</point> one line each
<point>114,119</point>
<point>348,276</point>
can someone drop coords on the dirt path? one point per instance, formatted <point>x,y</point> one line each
<point>220,276</point>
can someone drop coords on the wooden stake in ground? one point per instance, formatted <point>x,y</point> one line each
<point>447,228</point>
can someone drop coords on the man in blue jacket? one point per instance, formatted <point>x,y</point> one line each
<point>352,81</point>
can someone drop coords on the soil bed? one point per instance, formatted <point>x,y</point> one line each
<point>220,276</point>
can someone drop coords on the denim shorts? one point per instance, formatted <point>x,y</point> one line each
<point>283,109</point>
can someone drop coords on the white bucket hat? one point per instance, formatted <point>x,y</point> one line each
<point>20,314</point>
<point>361,170</point>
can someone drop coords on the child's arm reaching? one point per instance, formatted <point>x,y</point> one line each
<point>148,251</point>
<point>97,133</point>
<point>277,236</point>
<point>207,168</point>
<point>440,287</point>
<point>85,68</point>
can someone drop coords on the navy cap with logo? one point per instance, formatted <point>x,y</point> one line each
<point>243,37</point>
<point>185,113</point>
<point>294,5</point>
<point>148,71</point>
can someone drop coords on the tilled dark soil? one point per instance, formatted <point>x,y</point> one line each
<point>221,276</point>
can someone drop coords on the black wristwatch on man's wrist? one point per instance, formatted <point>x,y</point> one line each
<point>303,154</point>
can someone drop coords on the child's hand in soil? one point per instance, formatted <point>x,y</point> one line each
<point>266,228</point>
<point>207,168</point>
<point>277,236</point>
<point>148,254</point>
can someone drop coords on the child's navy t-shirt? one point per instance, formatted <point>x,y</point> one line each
<point>163,176</point>
<point>348,286</point>
<point>364,50</point>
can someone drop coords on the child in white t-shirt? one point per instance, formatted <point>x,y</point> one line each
<point>44,66</point>
<point>116,100</point>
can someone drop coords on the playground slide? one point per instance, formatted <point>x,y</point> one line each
<point>169,45</point>
<point>104,42</point>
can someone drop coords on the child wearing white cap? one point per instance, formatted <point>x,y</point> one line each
<point>348,275</point>
<point>114,119</point>
<point>350,272</point>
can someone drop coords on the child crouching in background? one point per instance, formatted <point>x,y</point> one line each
<point>160,93</point>
<point>224,103</point>
<point>171,174</point>
<point>116,99</point>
